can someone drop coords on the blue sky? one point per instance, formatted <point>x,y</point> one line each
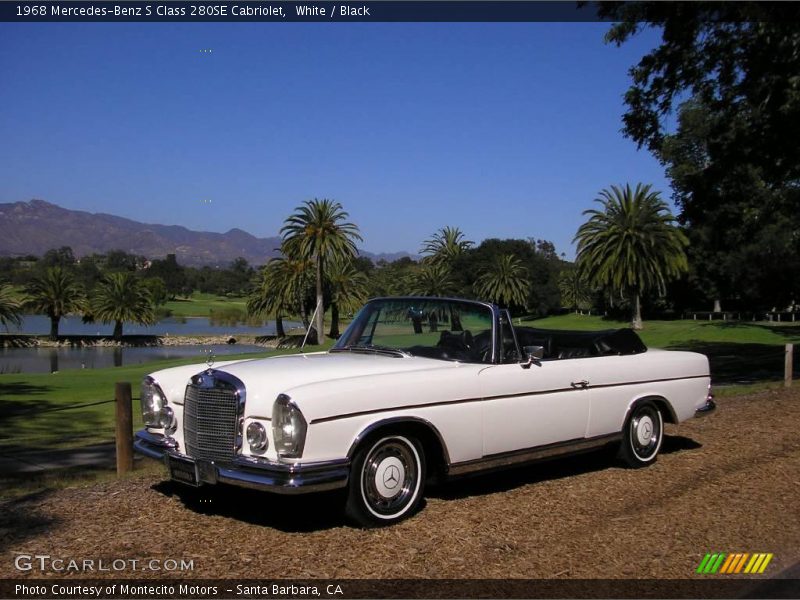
<point>504,130</point>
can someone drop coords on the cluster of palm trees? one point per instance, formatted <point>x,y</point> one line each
<point>119,297</point>
<point>504,280</point>
<point>318,247</point>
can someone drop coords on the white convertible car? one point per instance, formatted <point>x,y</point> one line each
<point>417,388</point>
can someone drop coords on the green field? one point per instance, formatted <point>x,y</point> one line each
<point>38,410</point>
<point>680,333</point>
<point>201,305</point>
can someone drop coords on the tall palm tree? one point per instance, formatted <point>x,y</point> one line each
<point>56,293</point>
<point>280,290</point>
<point>631,244</point>
<point>505,280</point>
<point>445,245</point>
<point>121,297</point>
<point>317,230</point>
<point>431,279</point>
<point>10,306</point>
<point>574,289</point>
<point>348,289</point>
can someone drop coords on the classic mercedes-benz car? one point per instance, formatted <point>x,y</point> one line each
<point>417,389</point>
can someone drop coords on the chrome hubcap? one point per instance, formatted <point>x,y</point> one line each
<point>646,432</point>
<point>389,477</point>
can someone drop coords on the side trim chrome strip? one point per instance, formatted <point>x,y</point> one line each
<point>507,459</point>
<point>499,397</point>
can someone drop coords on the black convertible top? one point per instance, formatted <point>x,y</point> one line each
<point>577,344</point>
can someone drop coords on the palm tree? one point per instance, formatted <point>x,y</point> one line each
<point>574,289</point>
<point>121,297</point>
<point>317,230</point>
<point>631,245</point>
<point>348,289</point>
<point>431,279</point>
<point>445,245</point>
<point>56,293</point>
<point>504,281</point>
<point>281,289</point>
<point>10,306</point>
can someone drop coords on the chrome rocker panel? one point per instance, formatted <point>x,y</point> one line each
<point>254,473</point>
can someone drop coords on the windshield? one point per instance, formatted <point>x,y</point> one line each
<point>427,327</point>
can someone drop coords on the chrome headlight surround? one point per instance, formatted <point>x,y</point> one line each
<point>257,437</point>
<point>289,428</point>
<point>155,412</point>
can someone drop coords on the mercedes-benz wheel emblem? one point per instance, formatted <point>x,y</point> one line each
<point>391,477</point>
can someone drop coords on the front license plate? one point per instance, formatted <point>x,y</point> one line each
<point>183,470</point>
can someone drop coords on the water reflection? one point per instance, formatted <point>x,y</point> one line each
<point>52,360</point>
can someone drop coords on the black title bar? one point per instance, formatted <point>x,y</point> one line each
<point>278,11</point>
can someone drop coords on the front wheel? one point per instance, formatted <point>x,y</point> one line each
<point>387,481</point>
<point>643,434</point>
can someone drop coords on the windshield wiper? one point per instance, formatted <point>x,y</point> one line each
<point>372,348</point>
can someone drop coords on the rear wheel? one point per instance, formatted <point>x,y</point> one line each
<point>642,436</point>
<point>387,481</point>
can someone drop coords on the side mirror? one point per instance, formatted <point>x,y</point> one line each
<point>533,355</point>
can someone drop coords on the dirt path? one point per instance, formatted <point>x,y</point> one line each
<point>727,483</point>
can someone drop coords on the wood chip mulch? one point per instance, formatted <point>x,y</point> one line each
<point>726,483</point>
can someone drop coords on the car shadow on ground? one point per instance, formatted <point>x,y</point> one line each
<point>314,512</point>
<point>549,470</point>
<point>294,514</point>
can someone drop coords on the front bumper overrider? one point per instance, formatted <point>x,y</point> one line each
<point>252,472</point>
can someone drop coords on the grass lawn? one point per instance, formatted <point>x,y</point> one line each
<point>201,305</point>
<point>740,352</point>
<point>669,334</point>
<point>36,408</point>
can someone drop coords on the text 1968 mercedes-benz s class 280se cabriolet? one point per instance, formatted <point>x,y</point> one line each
<point>416,388</point>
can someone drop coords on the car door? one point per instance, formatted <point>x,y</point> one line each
<point>524,408</point>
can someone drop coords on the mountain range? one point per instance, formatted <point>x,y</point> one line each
<point>36,226</point>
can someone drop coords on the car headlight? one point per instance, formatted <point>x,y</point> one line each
<point>288,428</point>
<point>154,403</point>
<point>257,436</point>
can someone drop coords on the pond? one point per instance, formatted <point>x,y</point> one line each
<point>197,326</point>
<point>50,360</point>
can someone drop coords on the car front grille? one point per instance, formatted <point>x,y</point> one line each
<point>210,420</point>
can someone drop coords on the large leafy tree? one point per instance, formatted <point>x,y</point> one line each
<point>348,290</point>
<point>445,246</point>
<point>122,297</point>
<point>505,280</point>
<point>731,70</point>
<point>631,245</point>
<point>318,231</point>
<point>55,292</point>
<point>10,306</point>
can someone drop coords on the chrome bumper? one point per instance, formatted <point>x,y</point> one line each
<point>707,408</point>
<point>252,472</point>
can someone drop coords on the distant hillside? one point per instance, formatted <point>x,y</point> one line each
<point>37,226</point>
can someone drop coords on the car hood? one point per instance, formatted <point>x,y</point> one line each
<point>265,378</point>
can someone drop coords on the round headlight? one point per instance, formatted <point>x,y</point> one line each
<point>256,436</point>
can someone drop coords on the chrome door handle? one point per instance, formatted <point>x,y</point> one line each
<point>583,384</point>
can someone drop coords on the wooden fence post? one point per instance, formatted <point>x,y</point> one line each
<point>124,427</point>
<point>787,366</point>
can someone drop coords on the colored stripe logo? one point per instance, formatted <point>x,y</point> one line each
<point>737,562</point>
